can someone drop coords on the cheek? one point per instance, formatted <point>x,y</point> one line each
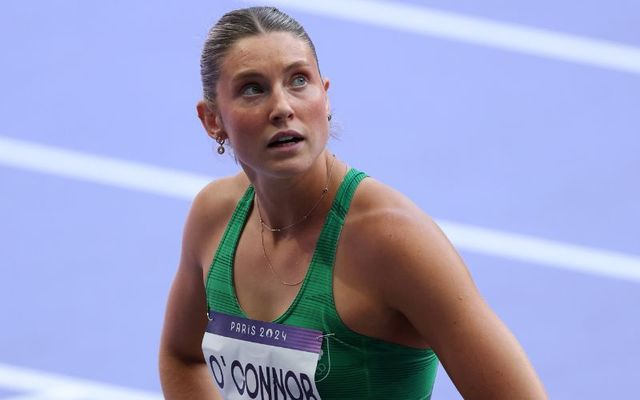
<point>317,109</point>
<point>242,122</point>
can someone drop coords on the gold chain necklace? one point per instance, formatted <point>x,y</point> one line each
<point>311,210</point>
<point>263,225</point>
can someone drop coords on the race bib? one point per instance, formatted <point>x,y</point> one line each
<point>251,359</point>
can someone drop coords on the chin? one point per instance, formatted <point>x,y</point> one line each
<point>291,167</point>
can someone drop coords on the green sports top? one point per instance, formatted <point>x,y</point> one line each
<point>352,366</point>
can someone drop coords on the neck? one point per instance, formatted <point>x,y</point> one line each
<point>288,203</point>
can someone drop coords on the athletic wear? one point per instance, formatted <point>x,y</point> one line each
<point>352,366</point>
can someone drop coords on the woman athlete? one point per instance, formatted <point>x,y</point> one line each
<point>301,277</point>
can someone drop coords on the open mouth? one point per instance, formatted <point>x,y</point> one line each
<point>285,141</point>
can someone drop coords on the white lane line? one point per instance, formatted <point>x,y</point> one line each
<point>99,169</point>
<point>185,185</point>
<point>542,251</point>
<point>45,385</point>
<point>476,30</point>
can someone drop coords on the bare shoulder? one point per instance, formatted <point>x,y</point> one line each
<point>219,197</point>
<point>387,219</point>
<point>210,212</point>
<point>397,241</point>
<point>413,269</point>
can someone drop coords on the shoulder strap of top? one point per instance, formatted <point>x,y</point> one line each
<point>319,280</point>
<point>220,278</point>
<point>342,202</point>
<point>328,241</point>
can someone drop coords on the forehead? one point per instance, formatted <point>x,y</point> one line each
<point>274,50</point>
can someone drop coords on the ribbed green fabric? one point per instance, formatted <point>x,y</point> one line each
<point>352,366</point>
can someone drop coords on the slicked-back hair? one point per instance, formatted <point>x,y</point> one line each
<point>238,24</point>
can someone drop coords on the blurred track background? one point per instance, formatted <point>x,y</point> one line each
<point>514,124</point>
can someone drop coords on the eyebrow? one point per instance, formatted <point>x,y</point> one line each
<point>251,73</point>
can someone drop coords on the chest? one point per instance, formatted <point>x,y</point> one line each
<point>269,270</point>
<point>265,274</point>
<point>267,279</point>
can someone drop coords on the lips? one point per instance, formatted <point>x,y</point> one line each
<point>285,138</point>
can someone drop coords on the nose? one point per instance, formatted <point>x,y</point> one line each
<point>281,110</point>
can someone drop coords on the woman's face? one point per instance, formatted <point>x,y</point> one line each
<point>272,104</point>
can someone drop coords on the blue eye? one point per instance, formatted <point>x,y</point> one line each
<point>251,89</point>
<point>299,80</point>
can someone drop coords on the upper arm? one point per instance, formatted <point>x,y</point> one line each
<point>426,280</point>
<point>185,317</point>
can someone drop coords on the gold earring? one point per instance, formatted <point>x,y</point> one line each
<point>221,145</point>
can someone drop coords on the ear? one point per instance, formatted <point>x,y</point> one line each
<point>326,84</point>
<point>211,121</point>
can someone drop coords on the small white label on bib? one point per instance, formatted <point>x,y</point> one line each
<point>251,359</point>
